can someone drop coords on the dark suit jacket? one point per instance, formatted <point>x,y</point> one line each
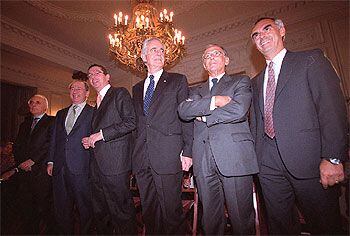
<point>116,118</point>
<point>161,136</point>
<point>68,149</point>
<point>34,145</point>
<point>309,113</point>
<point>226,130</point>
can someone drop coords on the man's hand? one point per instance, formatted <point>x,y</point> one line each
<point>7,174</point>
<point>26,165</point>
<point>330,174</point>
<point>186,163</point>
<point>49,169</point>
<point>221,101</point>
<point>85,142</point>
<point>94,138</point>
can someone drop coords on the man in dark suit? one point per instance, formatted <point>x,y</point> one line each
<point>163,142</point>
<point>301,134</point>
<point>112,124</point>
<point>224,159</point>
<point>31,149</point>
<point>68,162</point>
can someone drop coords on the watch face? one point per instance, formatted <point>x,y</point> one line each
<point>334,161</point>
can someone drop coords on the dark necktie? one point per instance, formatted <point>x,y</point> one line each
<point>35,121</point>
<point>269,102</point>
<point>148,96</point>
<point>70,119</point>
<point>215,82</point>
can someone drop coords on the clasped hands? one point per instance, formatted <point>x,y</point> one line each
<point>91,140</point>
<point>27,165</point>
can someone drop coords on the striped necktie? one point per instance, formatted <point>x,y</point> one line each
<point>269,102</point>
<point>71,118</point>
<point>148,96</point>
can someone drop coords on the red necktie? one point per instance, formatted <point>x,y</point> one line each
<point>269,101</point>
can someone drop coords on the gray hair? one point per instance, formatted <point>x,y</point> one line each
<point>43,97</point>
<point>145,45</point>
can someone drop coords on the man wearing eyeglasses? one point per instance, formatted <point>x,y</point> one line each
<point>301,134</point>
<point>31,149</point>
<point>110,143</point>
<point>224,159</point>
<point>163,144</point>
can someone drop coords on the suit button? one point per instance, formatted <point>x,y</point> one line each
<point>148,126</point>
<point>203,141</point>
<point>67,139</point>
<point>145,140</point>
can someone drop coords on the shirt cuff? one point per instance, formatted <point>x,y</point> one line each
<point>102,135</point>
<point>212,103</point>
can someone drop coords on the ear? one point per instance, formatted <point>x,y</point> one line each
<point>144,59</point>
<point>282,32</point>
<point>108,77</point>
<point>227,60</point>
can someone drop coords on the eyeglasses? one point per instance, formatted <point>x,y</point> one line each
<point>31,102</point>
<point>156,51</point>
<point>212,54</point>
<point>94,74</point>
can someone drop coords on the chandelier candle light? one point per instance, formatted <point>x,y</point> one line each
<point>126,36</point>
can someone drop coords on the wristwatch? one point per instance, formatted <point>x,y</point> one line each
<point>334,161</point>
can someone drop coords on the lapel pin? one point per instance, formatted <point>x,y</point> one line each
<point>164,81</point>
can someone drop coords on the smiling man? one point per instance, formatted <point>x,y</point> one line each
<point>68,162</point>
<point>223,151</point>
<point>110,144</point>
<point>300,127</point>
<point>163,145</point>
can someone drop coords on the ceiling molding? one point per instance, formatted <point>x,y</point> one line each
<point>28,40</point>
<point>230,25</point>
<point>56,11</point>
<point>20,76</point>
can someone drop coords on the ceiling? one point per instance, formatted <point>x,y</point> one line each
<point>82,25</point>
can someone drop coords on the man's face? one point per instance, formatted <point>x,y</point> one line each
<point>155,56</point>
<point>214,60</point>
<point>37,105</point>
<point>78,93</point>
<point>97,78</point>
<point>268,38</point>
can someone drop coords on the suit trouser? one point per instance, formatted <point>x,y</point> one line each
<point>282,191</point>
<point>113,205</point>
<point>35,201</point>
<point>69,190</point>
<point>161,201</point>
<point>215,190</point>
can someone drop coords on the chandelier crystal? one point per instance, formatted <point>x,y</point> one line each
<point>126,36</point>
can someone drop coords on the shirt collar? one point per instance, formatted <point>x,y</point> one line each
<point>104,90</point>
<point>278,58</point>
<point>218,77</point>
<point>156,75</point>
<point>39,116</point>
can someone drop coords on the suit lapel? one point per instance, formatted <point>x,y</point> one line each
<point>39,124</point>
<point>98,111</point>
<point>285,73</point>
<point>81,117</point>
<point>138,96</point>
<point>64,117</point>
<point>260,86</point>
<point>162,83</point>
<point>221,85</point>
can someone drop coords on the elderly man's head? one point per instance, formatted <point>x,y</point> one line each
<point>38,105</point>
<point>153,54</point>
<point>215,59</point>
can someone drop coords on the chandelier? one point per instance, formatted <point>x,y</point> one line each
<point>127,35</point>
